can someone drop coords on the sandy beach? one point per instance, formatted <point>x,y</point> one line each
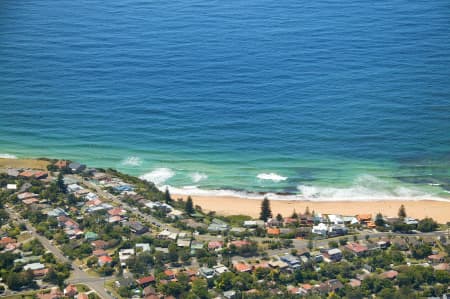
<point>438,210</point>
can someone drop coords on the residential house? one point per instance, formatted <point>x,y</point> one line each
<point>90,236</point>
<point>253,223</point>
<point>70,291</point>
<point>34,266</point>
<point>137,227</point>
<point>437,258</point>
<point>104,260</point>
<point>391,274</point>
<point>356,249</point>
<point>291,260</point>
<point>242,267</point>
<point>99,252</point>
<point>77,167</point>
<point>273,231</point>
<point>334,254</point>
<point>170,275</point>
<point>206,272</point>
<point>142,247</point>
<point>215,245</point>
<point>125,254</point>
<point>145,281</point>
<point>100,244</point>
<point>220,269</point>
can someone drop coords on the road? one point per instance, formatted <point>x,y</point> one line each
<point>297,244</point>
<point>78,275</point>
<point>148,218</point>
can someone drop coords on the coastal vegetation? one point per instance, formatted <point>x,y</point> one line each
<point>126,230</point>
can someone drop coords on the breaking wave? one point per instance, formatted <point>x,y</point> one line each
<point>132,161</point>
<point>364,188</point>
<point>7,156</point>
<point>158,176</point>
<point>271,176</point>
<point>197,177</point>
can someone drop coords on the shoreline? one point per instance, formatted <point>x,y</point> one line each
<point>228,205</point>
<point>234,205</point>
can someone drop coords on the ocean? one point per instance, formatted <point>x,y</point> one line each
<point>318,100</point>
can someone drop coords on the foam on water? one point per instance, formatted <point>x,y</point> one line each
<point>158,176</point>
<point>197,177</point>
<point>7,156</point>
<point>271,176</point>
<point>364,188</point>
<point>132,161</point>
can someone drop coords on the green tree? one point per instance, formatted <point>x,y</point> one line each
<point>266,212</point>
<point>427,225</point>
<point>200,289</point>
<point>60,183</point>
<point>225,281</point>
<point>189,207</point>
<point>279,217</point>
<point>167,196</point>
<point>402,212</point>
<point>173,253</point>
<point>379,221</point>
<point>307,212</point>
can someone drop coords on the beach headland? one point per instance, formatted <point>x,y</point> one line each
<point>438,210</point>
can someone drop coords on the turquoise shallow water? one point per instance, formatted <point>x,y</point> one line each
<point>322,100</point>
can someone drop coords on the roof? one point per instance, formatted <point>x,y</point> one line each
<point>391,274</point>
<point>355,247</point>
<point>70,289</point>
<point>364,217</point>
<point>99,244</point>
<point>438,256</point>
<point>7,240</point>
<point>442,267</point>
<point>145,280</point>
<point>215,244</point>
<point>240,243</point>
<point>105,259</point>
<point>354,283</point>
<point>116,212</point>
<point>169,272</point>
<point>334,251</point>
<point>242,267</point>
<point>273,231</point>
<point>99,252</point>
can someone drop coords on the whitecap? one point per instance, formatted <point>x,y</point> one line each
<point>132,161</point>
<point>271,176</point>
<point>197,177</point>
<point>7,156</point>
<point>365,187</point>
<point>158,176</point>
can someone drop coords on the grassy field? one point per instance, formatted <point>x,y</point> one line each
<point>23,163</point>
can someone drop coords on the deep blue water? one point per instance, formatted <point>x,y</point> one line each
<point>322,98</point>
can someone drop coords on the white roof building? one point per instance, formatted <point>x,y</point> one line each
<point>143,246</point>
<point>34,266</point>
<point>125,254</point>
<point>320,229</point>
<point>11,187</point>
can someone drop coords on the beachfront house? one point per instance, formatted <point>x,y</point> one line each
<point>77,167</point>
